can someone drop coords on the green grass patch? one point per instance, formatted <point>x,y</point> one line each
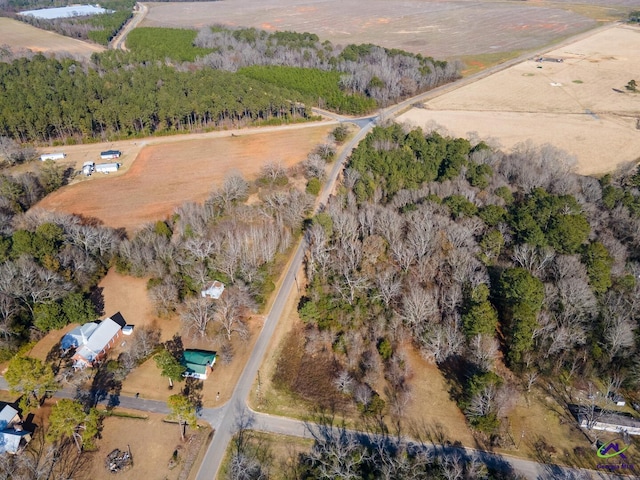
<point>577,81</point>
<point>476,63</point>
<point>154,43</point>
<point>115,413</point>
<point>320,87</point>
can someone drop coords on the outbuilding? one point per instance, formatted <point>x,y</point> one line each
<point>213,290</point>
<point>88,168</point>
<point>52,156</point>
<point>109,154</point>
<point>107,167</point>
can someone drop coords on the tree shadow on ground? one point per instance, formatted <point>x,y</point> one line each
<point>104,387</point>
<point>97,298</point>
<point>193,391</point>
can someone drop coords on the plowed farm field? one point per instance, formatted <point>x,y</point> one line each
<point>21,37</point>
<point>573,97</point>
<point>175,170</point>
<point>442,29</point>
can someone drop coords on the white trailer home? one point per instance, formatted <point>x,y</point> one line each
<point>107,167</point>
<point>110,154</point>
<point>52,156</point>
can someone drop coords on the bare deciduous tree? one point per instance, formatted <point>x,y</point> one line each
<point>196,316</point>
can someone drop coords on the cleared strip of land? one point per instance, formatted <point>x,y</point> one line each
<point>20,36</point>
<point>575,99</point>
<point>171,172</point>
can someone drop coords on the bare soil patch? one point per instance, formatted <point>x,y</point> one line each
<point>578,104</point>
<point>20,37</point>
<point>443,29</point>
<point>174,170</point>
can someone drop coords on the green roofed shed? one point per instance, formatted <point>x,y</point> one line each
<point>198,363</point>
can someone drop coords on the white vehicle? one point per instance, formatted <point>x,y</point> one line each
<point>88,168</point>
<point>52,156</point>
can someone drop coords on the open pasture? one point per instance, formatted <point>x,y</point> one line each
<point>175,170</point>
<point>20,37</point>
<point>579,104</point>
<point>442,29</point>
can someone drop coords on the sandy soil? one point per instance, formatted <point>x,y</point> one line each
<point>20,36</point>
<point>169,171</point>
<point>442,29</point>
<point>579,104</point>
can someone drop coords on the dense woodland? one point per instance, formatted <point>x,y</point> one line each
<point>384,75</point>
<point>52,100</point>
<point>120,94</point>
<point>480,259</point>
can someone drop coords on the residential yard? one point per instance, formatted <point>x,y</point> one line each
<point>21,37</point>
<point>579,104</point>
<point>152,442</point>
<point>162,173</point>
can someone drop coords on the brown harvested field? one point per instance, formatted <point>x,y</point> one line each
<point>20,37</point>
<point>169,171</point>
<point>438,28</point>
<point>579,104</point>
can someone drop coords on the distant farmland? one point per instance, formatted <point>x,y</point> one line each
<point>20,36</point>
<point>579,104</point>
<point>442,29</point>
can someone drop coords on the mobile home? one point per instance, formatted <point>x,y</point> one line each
<point>52,156</point>
<point>107,167</point>
<point>109,154</point>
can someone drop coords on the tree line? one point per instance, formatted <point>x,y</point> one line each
<point>384,75</point>
<point>468,251</point>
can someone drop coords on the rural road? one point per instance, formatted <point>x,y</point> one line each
<point>226,416</point>
<point>223,419</point>
<point>118,42</point>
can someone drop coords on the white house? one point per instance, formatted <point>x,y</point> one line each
<point>107,167</point>
<point>213,290</point>
<point>52,156</point>
<point>12,436</point>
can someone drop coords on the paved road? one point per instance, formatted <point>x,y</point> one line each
<point>223,419</point>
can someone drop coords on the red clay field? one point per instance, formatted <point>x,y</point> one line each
<point>174,170</point>
<point>442,29</point>
<point>578,104</point>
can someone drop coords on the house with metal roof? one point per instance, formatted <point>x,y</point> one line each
<point>101,340</point>
<point>108,154</point>
<point>198,363</point>
<point>13,438</point>
<point>78,336</point>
